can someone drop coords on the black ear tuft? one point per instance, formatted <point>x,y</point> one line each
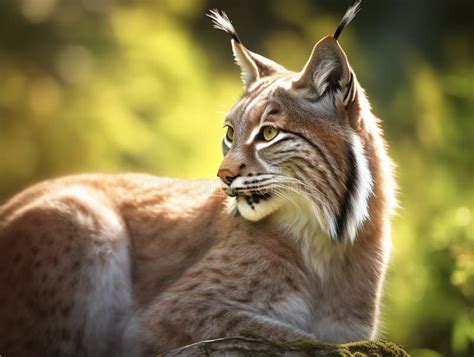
<point>348,17</point>
<point>221,21</point>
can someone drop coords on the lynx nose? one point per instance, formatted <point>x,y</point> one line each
<point>226,175</point>
<point>229,170</point>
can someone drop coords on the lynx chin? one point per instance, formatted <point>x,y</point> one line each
<point>290,242</point>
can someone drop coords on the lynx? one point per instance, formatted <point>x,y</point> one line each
<point>290,242</point>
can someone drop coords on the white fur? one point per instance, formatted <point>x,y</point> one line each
<point>252,135</point>
<point>227,142</point>
<point>266,144</point>
<point>260,210</point>
<point>249,70</point>
<point>359,212</point>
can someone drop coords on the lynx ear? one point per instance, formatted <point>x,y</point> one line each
<point>326,70</point>
<point>252,65</point>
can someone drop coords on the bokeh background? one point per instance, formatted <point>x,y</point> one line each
<point>115,85</point>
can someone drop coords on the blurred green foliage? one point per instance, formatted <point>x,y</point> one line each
<point>109,85</point>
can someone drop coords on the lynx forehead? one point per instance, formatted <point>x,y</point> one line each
<point>290,144</point>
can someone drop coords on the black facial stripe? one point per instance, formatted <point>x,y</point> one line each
<point>292,163</point>
<point>257,180</point>
<point>305,178</point>
<point>352,180</point>
<point>326,180</point>
<point>319,150</point>
<point>298,168</point>
<point>299,174</point>
<point>329,181</point>
<point>287,151</point>
<point>250,188</point>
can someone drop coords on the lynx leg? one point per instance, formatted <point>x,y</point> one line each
<point>170,325</point>
<point>64,277</point>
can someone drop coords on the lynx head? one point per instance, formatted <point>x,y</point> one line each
<point>293,144</point>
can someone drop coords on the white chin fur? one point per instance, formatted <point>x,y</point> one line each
<point>259,210</point>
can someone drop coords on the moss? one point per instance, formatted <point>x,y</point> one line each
<point>356,349</point>
<point>378,348</point>
<point>315,346</point>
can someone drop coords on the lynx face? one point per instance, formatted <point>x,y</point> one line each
<point>292,147</point>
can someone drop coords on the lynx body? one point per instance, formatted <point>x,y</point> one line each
<point>291,242</point>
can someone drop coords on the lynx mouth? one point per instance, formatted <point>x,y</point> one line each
<point>249,195</point>
<point>252,197</point>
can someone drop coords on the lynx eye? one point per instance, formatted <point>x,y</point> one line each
<point>269,132</point>
<point>229,133</point>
